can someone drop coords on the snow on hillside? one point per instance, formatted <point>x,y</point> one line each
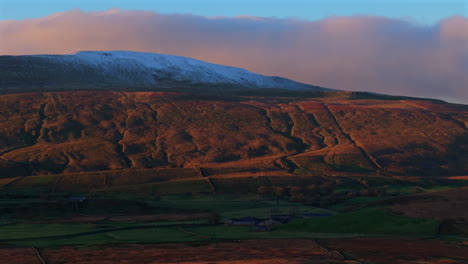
<point>150,67</point>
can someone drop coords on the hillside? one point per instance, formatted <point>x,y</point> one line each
<point>232,134</point>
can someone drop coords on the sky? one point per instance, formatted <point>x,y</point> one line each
<point>422,11</point>
<point>414,48</point>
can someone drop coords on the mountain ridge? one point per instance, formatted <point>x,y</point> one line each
<point>120,69</point>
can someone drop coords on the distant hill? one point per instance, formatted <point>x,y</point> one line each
<point>125,70</point>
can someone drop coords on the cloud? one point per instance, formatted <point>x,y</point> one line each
<point>362,53</point>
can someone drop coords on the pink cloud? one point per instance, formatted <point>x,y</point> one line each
<point>351,53</point>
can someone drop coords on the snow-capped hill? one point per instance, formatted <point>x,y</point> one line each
<point>136,69</point>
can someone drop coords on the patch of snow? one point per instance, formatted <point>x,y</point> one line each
<point>148,67</point>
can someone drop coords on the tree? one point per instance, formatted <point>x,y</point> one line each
<point>278,191</point>
<point>364,183</point>
<point>326,188</point>
<point>297,198</point>
<point>294,191</point>
<point>214,218</point>
<point>311,189</point>
<point>294,212</point>
<point>264,190</point>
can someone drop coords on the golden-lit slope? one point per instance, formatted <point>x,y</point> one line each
<point>86,131</point>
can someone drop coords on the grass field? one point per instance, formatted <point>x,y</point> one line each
<point>374,221</point>
<point>358,225</point>
<point>31,214</point>
<point>162,188</point>
<point>355,202</point>
<point>150,235</point>
<point>365,222</point>
<point>236,206</point>
<point>20,231</point>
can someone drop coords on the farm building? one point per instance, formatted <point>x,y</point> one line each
<point>248,220</point>
<point>283,219</point>
<point>306,216</point>
<point>77,199</point>
<point>266,225</point>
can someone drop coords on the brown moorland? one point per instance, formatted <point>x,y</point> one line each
<point>67,132</point>
<point>259,251</point>
<point>399,250</point>
<point>294,251</point>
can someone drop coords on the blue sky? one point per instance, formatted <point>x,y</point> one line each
<point>421,11</point>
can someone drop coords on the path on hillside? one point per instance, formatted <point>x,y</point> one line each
<point>283,163</point>
<point>120,147</point>
<point>348,136</point>
<point>39,255</point>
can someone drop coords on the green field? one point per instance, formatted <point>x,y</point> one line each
<point>236,206</point>
<point>161,188</point>
<point>373,221</point>
<point>359,224</point>
<point>34,213</point>
<point>22,231</point>
<point>365,222</point>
